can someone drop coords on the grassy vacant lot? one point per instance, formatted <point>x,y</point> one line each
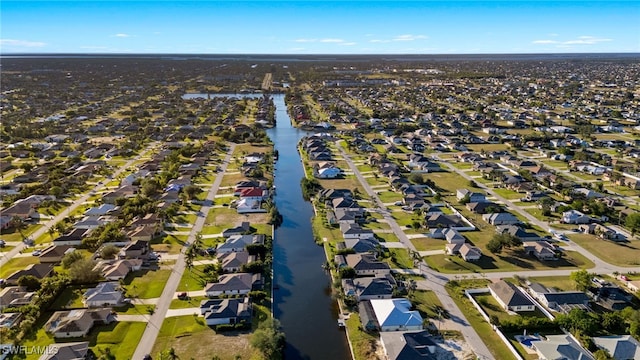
<point>617,253</point>
<point>428,244</point>
<point>389,196</point>
<point>399,259</point>
<point>508,194</point>
<point>193,280</point>
<point>187,334</point>
<point>562,283</point>
<point>483,328</point>
<point>147,284</point>
<point>509,260</point>
<point>364,344</point>
<point>15,264</point>
<point>426,302</point>
<point>169,243</point>
<point>120,337</point>
<point>449,181</point>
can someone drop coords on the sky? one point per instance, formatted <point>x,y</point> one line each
<point>319,27</point>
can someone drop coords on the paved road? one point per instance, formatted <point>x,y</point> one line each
<point>145,346</point>
<point>63,214</point>
<point>435,281</point>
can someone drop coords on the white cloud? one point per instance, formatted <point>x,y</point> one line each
<point>348,44</point>
<point>408,37</point>
<point>586,40</point>
<point>379,41</point>
<point>581,40</point>
<point>122,35</point>
<point>21,43</point>
<point>305,40</point>
<point>331,40</point>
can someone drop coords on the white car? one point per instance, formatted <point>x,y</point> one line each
<point>36,252</point>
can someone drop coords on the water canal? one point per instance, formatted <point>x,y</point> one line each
<point>302,298</point>
<point>302,302</point>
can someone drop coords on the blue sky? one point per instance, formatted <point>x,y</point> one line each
<point>319,27</point>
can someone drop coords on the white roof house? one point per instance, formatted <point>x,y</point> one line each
<point>396,315</point>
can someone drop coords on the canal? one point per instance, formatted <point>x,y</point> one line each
<point>302,299</point>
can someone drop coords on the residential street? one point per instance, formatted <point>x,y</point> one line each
<point>435,281</point>
<point>148,339</point>
<point>63,214</point>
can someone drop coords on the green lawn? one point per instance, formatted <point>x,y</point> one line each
<point>509,260</point>
<point>184,304</point>
<point>617,253</point>
<point>362,342</point>
<point>192,339</point>
<point>389,196</point>
<point>121,338</point>
<point>498,349</point>
<point>15,264</point>
<point>427,244</point>
<point>193,280</point>
<point>146,284</point>
<point>400,258</point>
<point>562,283</point>
<point>169,243</point>
<point>70,297</point>
<point>449,181</point>
<point>427,303</point>
<point>508,194</point>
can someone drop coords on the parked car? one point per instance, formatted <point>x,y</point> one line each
<point>183,296</point>
<point>2,243</point>
<point>36,252</point>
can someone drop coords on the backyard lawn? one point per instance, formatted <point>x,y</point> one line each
<point>147,284</point>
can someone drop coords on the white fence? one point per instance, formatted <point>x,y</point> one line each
<point>506,341</point>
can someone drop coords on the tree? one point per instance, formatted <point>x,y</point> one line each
<point>495,246</point>
<point>31,282</point>
<point>268,339</point>
<point>82,271</point>
<point>169,354</point>
<point>633,223</point>
<point>192,191</point>
<point>109,252</point>
<point>602,354</point>
<point>347,272</point>
<point>70,258</point>
<point>581,279</point>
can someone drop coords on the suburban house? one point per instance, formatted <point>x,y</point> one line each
<point>560,347</point>
<point>575,217</point>
<point>355,231</point>
<point>15,296</point>
<point>469,252</point>
<point>234,284</point>
<point>77,323</point>
<point>242,228</point>
<point>362,245</point>
<point>119,269</point>
<point>70,351</point>
<point>326,171</point>
<point>226,311</point>
<point>561,301</point>
<point>367,265</point>
<point>601,231</point>
<point>542,250</point>
<point>233,261</point>
<point>473,196</point>
<point>39,271</point>
<point>411,346</point>
<point>510,297</point>
<point>395,315</point>
<point>503,218</point>
<point>104,295</point>
<point>345,215</point>
<point>237,243</point>
<point>54,254</point>
<point>73,237</point>
<point>137,249</point>
<point>368,288</point>
<point>619,346</point>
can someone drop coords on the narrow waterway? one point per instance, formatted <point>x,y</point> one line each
<point>302,298</point>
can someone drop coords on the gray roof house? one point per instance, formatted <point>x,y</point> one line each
<point>234,284</point>
<point>226,311</point>
<point>239,243</point>
<point>620,347</point>
<point>368,288</point>
<point>510,297</point>
<point>503,218</point>
<point>367,265</point>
